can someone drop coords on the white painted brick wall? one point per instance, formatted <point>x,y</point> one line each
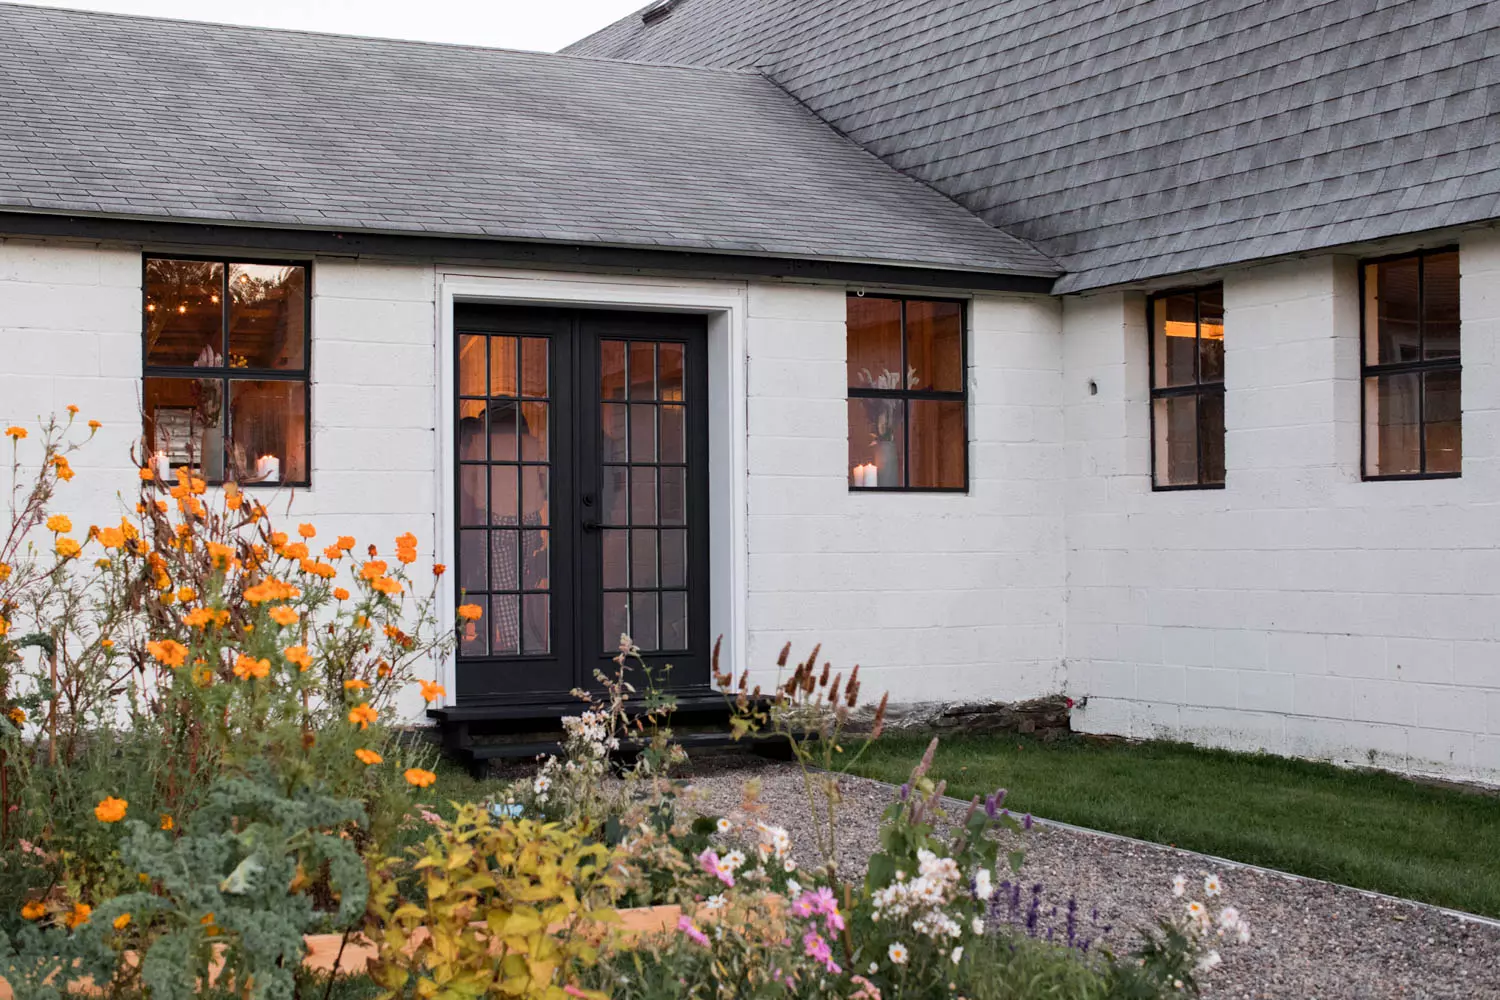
<point>936,596</point>
<point>1299,610</point>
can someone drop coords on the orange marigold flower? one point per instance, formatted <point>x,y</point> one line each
<point>4,627</point>
<point>122,921</point>
<point>283,615</point>
<point>382,669</point>
<point>438,569</point>
<point>417,776</point>
<point>234,502</point>
<point>111,538</point>
<point>346,542</point>
<point>110,809</point>
<point>387,585</point>
<point>340,594</point>
<point>470,612</point>
<point>107,643</point>
<point>306,530</point>
<point>167,822</point>
<point>296,550</point>
<point>203,677</point>
<point>17,715</point>
<point>319,569</point>
<point>432,690</point>
<point>185,594</point>
<point>4,572</point>
<point>406,541</point>
<point>64,470</point>
<point>78,916</point>
<point>68,548</point>
<point>161,507</point>
<point>94,425</point>
<point>333,552</point>
<point>355,684</point>
<point>168,651</point>
<point>278,539</point>
<point>372,570</point>
<point>15,432</point>
<point>34,910</point>
<point>368,756</point>
<point>146,474</point>
<point>247,667</point>
<point>362,714</point>
<point>198,618</point>
<point>299,656</point>
<point>72,410</point>
<point>59,524</point>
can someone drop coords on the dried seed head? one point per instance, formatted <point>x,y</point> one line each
<point>718,646</point>
<point>851,693</point>
<point>823,678</point>
<point>785,652</point>
<point>879,726</point>
<point>833,689</point>
<point>745,679</point>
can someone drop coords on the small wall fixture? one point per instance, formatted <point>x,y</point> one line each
<point>1093,388</point>
<point>657,11</point>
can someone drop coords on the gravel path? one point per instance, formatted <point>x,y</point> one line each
<point>1311,940</point>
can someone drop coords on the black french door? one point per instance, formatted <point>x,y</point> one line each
<point>581,499</point>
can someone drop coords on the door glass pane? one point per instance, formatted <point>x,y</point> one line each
<point>616,558</point>
<point>1174,325</point>
<point>471,366</point>
<point>934,345</point>
<point>674,558</point>
<point>673,496</point>
<point>874,359</point>
<point>471,430</point>
<point>1393,424</point>
<point>613,446</point>
<point>536,625</point>
<point>674,623</point>
<point>471,501</point>
<point>670,362</point>
<point>1211,334</point>
<point>534,446</point>
<point>505,624</point>
<point>502,366</point>
<point>1442,425</point>
<point>642,370</point>
<point>937,443</point>
<point>616,619</point>
<point>643,433</point>
<point>877,442</point>
<point>643,495</point>
<point>534,366</point>
<point>535,560</point>
<point>1440,306</point>
<point>267,316</point>
<point>473,638</point>
<point>503,495</point>
<point>503,420</point>
<point>614,505</point>
<point>643,619</point>
<point>1175,423</point>
<point>184,313</point>
<point>612,369</point>
<point>472,561</point>
<point>642,558</point>
<point>1393,312</point>
<point>674,434</point>
<point>503,558</point>
<point>535,508</point>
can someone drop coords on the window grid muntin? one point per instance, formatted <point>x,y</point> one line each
<point>225,374</point>
<point>1422,365</point>
<point>629,401</point>
<point>905,395</point>
<point>1198,388</point>
<point>518,531</point>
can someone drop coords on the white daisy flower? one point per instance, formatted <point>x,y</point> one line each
<point>735,860</point>
<point>1179,885</point>
<point>714,903</point>
<point>983,886</point>
<point>541,784</point>
<point>789,866</point>
<point>724,825</point>
<point>897,953</point>
<point>1197,910</point>
<point>958,954</point>
<point>1211,885</point>
<point>793,887</point>
<point>977,925</point>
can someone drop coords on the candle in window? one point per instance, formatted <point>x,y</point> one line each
<point>865,475</point>
<point>160,467</point>
<point>268,469</point>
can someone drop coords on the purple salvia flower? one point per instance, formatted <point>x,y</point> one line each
<point>905,792</point>
<point>1026,822</point>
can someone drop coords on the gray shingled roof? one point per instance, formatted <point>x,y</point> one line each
<point>1141,138</point>
<point>127,116</point>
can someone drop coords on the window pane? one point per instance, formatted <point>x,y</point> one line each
<point>643,620</point>
<point>674,623</point>
<point>1211,334</point>
<point>874,343</point>
<point>1211,435</point>
<point>471,430</point>
<point>613,507</point>
<point>877,442</point>
<point>535,508</point>
<point>613,446</point>
<point>1442,423</point>
<point>937,443</point>
<point>268,431</point>
<point>534,366</point>
<point>674,558</point>
<point>643,496</point>
<point>504,553</point>
<point>536,624</point>
<point>534,432</point>
<point>1440,306</point>
<point>934,345</point>
<point>612,370</point>
<point>505,624</point>
<point>673,434</point>
<point>1392,327</point>
<point>616,620</point>
<point>642,432</point>
<point>642,558</point>
<point>1175,424</point>
<point>1392,424</point>
<point>471,366</point>
<point>502,366</point>
<point>471,500</point>
<point>473,561</point>
<point>183,424</point>
<point>503,495</point>
<point>267,316</point>
<point>643,370</point>
<point>503,430</point>
<point>616,558</point>
<point>184,314</point>
<point>1174,324</point>
<point>536,560</point>
<point>670,360</point>
<point>673,496</point>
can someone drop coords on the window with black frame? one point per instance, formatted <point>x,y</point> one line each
<point>908,405</point>
<point>1187,388</point>
<point>1411,370</point>
<point>226,360</point>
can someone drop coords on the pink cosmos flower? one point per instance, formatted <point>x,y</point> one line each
<point>686,926</point>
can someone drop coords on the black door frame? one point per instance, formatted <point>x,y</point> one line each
<point>576,467</point>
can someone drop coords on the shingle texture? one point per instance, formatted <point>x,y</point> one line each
<point>144,117</point>
<point>1131,139</point>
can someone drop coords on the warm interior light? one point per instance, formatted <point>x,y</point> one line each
<point>182,308</point>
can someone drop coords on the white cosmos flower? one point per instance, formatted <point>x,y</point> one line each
<point>1179,885</point>
<point>724,825</point>
<point>897,953</point>
<point>713,903</point>
<point>734,860</point>
<point>977,925</point>
<point>1197,910</point>
<point>1212,886</point>
<point>541,784</point>
<point>984,888</point>
<point>793,887</point>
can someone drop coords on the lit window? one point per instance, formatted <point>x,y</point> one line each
<point>907,406</point>
<point>1412,425</point>
<point>226,390</point>
<point>1187,388</point>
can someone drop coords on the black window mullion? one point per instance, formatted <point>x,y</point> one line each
<point>905,405</point>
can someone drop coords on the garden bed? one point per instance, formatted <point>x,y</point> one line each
<point>1312,939</point>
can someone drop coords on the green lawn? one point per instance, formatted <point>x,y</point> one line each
<point>1376,831</point>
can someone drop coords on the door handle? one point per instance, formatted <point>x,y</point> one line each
<point>590,525</point>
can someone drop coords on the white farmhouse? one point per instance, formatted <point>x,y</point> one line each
<point>1144,351</point>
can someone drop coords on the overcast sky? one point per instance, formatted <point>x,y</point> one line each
<point>546,25</point>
